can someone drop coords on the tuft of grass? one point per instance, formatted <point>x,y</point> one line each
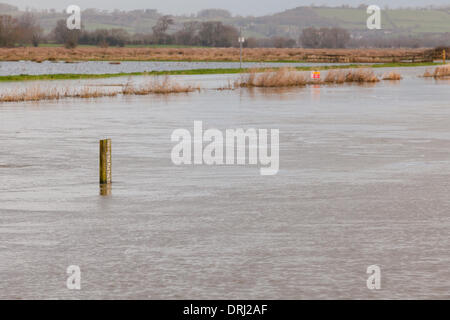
<point>439,72</point>
<point>158,86</point>
<point>283,77</point>
<point>428,73</point>
<point>336,76</point>
<point>361,76</point>
<point>392,76</point>
<point>364,75</point>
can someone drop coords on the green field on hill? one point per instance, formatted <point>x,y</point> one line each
<point>288,23</point>
<point>405,20</point>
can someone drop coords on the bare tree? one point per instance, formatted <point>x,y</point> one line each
<point>188,35</point>
<point>282,42</point>
<point>334,38</point>
<point>65,36</point>
<point>216,34</point>
<point>160,29</point>
<point>310,38</point>
<point>8,31</point>
<point>324,38</point>
<point>29,31</point>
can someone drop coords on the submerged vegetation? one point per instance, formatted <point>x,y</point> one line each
<point>158,86</point>
<point>284,77</point>
<point>161,83</point>
<point>392,76</point>
<point>289,77</point>
<point>354,75</point>
<point>262,78</point>
<point>38,93</point>
<point>439,72</point>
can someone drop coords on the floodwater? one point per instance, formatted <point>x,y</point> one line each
<point>100,67</point>
<point>364,180</point>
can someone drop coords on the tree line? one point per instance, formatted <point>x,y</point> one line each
<point>25,30</point>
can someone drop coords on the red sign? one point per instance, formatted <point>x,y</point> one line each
<point>315,75</point>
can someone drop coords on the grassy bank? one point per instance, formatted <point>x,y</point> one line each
<point>195,72</point>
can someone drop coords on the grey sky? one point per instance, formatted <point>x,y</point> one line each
<point>243,7</point>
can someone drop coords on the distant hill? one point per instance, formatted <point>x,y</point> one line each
<point>399,21</point>
<point>287,23</point>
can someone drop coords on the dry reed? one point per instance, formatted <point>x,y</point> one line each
<point>38,93</point>
<point>283,77</point>
<point>229,86</point>
<point>361,76</point>
<point>428,73</point>
<point>392,76</point>
<point>439,72</point>
<point>158,85</point>
<point>353,75</point>
<point>288,77</point>
<point>336,76</point>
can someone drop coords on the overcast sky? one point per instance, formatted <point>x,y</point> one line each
<point>243,7</point>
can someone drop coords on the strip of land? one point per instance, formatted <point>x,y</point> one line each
<point>279,78</point>
<point>41,54</point>
<point>198,72</point>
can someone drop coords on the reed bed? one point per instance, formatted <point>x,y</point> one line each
<point>283,77</point>
<point>336,76</point>
<point>288,77</point>
<point>38,93</point>
<point>361,76</point>
<point>214,54</point>
<point>158,85</point>
<point>428,73</point>
<point>230,85</point>
<point>395,76</point>
<point>439,72</point>
<point>353,75</point>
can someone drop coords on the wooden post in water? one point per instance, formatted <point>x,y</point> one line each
<point>444,55</point>
<point>105,162</point>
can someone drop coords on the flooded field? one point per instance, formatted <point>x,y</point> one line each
<point>100,67</point>
<point>364,180</point>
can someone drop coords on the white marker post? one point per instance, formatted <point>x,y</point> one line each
<point>241,42</point>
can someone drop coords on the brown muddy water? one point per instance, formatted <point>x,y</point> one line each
<point>364,180</point>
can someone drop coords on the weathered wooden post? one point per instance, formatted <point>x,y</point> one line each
<point>105,162</point>
<point>444,55</point>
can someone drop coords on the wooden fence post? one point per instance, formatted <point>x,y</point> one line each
<point>105,162</point>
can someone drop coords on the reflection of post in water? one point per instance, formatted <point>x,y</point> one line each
<point>105,167</point>
<point>315,91</point>
<point>105,189</point>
